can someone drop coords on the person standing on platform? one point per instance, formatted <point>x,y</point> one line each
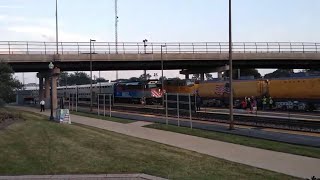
<point>270,103</point>
<point>264,103</point>
<point>42,103</point>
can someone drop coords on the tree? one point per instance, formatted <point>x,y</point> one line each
<point>196,76</point>
<point>244,72</point>
<point>63,79</point>
<point>8,84</point>
<point>101,79</point>
<point>208,76</point>
<point>134,79</point>
<point>164,78</point>
<point>77,78</point>
<point>279,73</point>
<point>142,77</point>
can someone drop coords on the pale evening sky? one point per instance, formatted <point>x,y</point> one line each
<point>159,21</point>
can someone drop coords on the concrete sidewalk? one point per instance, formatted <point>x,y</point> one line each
<point>299,166</point>
<point>84,177</point>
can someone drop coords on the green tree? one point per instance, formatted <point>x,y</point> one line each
<point>134,79</point>
<point>63,79</point>
<point>244,72</point>
<point>77,78</point>
<point>279,73</point>
<point>101,79</point>
<point>8,84</point>
<point>196,76</point>
<point>208,76</point>
<point>142,77</point>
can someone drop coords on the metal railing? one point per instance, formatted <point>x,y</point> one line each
<point>29,47</point>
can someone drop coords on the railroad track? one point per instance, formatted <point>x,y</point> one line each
<point>255,121</point>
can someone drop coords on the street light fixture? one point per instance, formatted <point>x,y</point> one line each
<point>145,45</point>
<point>51,67</point>
<point>91,40</point>
<point>231,125</point>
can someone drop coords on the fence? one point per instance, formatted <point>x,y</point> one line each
<point>102,100</point>
<point>29,47</point>
<point>180,102</point>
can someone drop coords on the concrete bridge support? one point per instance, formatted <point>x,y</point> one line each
<point>45,93</point>
<point>41,92</point>
<point>219,75</point>
<point>201,77</point>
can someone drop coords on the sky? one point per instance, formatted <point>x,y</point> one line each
<point>159,21</point>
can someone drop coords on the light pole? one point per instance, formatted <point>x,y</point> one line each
<point>116,30</point>
<point>91,40</point>
<point>162,82</point>
<point>51,66</point>
<point>57,37</point>
<point>145,45</point>
<point>231,126</point>
<point>145,52</point>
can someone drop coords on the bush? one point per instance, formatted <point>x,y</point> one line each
<point>2,103</point>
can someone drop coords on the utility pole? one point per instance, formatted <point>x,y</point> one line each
<point>91,94</point>
<point>116,30</point>
<point>57,34</point>
<point>231,126</point>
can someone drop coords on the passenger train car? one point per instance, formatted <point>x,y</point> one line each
<point>129,92</point>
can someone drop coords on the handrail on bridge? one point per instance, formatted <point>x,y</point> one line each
<point>34,47</point>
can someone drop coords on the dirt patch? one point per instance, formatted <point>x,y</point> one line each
<point>7,122</point>
<point>7,118</point>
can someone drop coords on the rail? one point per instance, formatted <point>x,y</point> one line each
<point>29,47</point>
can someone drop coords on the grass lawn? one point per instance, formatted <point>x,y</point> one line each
<point>243,140</point>
<point>37,146</point>
<point>91,115</point>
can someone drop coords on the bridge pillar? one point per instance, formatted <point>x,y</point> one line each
<point>187,76</point>
<point>47,91</point>
<point>41,92</point>
<point>54,76</point>
<point>201,76</point>
<point>219,75</point>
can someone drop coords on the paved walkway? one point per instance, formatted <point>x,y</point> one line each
<point>294,165</point>
<point>84,177</point>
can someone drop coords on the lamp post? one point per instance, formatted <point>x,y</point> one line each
<point>51,66</point>
<point>91,40</point>
<point>231,125</point>
<point>57,37</point>
<point>145,45</point>
<point>145,52</point>
<point>162,85</point>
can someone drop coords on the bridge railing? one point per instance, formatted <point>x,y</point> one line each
<point>29,47</point>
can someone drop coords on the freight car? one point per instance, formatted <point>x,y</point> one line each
<point>299,93</point>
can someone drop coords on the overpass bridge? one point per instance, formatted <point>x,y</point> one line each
<point>191,57</point>
<point>26,56</point>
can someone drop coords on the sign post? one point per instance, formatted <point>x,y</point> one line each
<point>190,111</point>
<point>110,105</point>
<point>104,105</point>
<point>166,108</point>
<point>98,104</point>
<point>178,111</point>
